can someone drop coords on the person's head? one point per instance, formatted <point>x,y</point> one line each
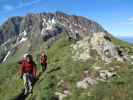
<point>24,56</point>
<point>29,58</point>
<point>43,53</point>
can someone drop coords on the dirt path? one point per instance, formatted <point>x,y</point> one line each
<point>21,96</point>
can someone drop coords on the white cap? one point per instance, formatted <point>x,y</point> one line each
<point>25,55</point>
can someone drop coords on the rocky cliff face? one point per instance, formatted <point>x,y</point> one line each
<point>46,26</point>
<point>10,29</point>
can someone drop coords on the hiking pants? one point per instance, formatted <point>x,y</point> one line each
<point>28,79</point>
<point>44,66</point>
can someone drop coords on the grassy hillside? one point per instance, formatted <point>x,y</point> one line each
<point>10,83</point>
<point>62,67</point>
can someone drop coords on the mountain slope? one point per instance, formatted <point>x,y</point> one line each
<point>84,61</point>
<point>63,74</point>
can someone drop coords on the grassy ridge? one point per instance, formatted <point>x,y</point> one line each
<point>62,67</point>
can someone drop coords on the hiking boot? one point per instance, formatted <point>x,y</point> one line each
<point>30,91</point>
<point>25,92</point>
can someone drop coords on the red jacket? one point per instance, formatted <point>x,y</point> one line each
<point>28,67</point>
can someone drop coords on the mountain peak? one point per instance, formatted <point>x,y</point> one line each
<point>46,26</point>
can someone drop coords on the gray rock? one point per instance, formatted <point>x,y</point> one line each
<point>105,75</point>
<point>86,83</point>
<point>62,95</point>
<point>105,48</point>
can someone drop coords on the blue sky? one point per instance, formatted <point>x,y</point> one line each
<point>116,16</point>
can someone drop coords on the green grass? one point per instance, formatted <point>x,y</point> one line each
<point>10,83</point>
<point>127,46</point>
<point>119,89</point>
<point>62,67</point>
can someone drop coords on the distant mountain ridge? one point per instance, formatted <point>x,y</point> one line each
<point>126,38</point>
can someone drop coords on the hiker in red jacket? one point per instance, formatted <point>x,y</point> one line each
<point>43,61</point>
<point>28,73</point>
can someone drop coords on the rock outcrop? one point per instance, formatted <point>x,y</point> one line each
<point>102,44</point>
<point>104,47</point>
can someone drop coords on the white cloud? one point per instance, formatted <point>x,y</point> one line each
<point>28,3</point>
<point>126,23</point>
<point>8,7</point>
<point>130,19</point>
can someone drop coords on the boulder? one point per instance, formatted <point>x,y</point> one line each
<point>86,83</point>
<point>105,75</point>
<point>62,95</point>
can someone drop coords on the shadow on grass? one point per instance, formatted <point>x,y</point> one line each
<point>21,96</point>
<point>54,70</point>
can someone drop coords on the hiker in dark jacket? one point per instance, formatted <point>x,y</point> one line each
<point>28,73</point>
<point>43,61</point>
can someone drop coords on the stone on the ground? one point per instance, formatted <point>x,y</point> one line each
<point>105,75</point>
<point>117,67</point>
<point>60,83</point>
<point>86,83</point>
<point>131,56</point>
<point>132,63</point>
<point>97,67</point>
<point>62,95</point>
